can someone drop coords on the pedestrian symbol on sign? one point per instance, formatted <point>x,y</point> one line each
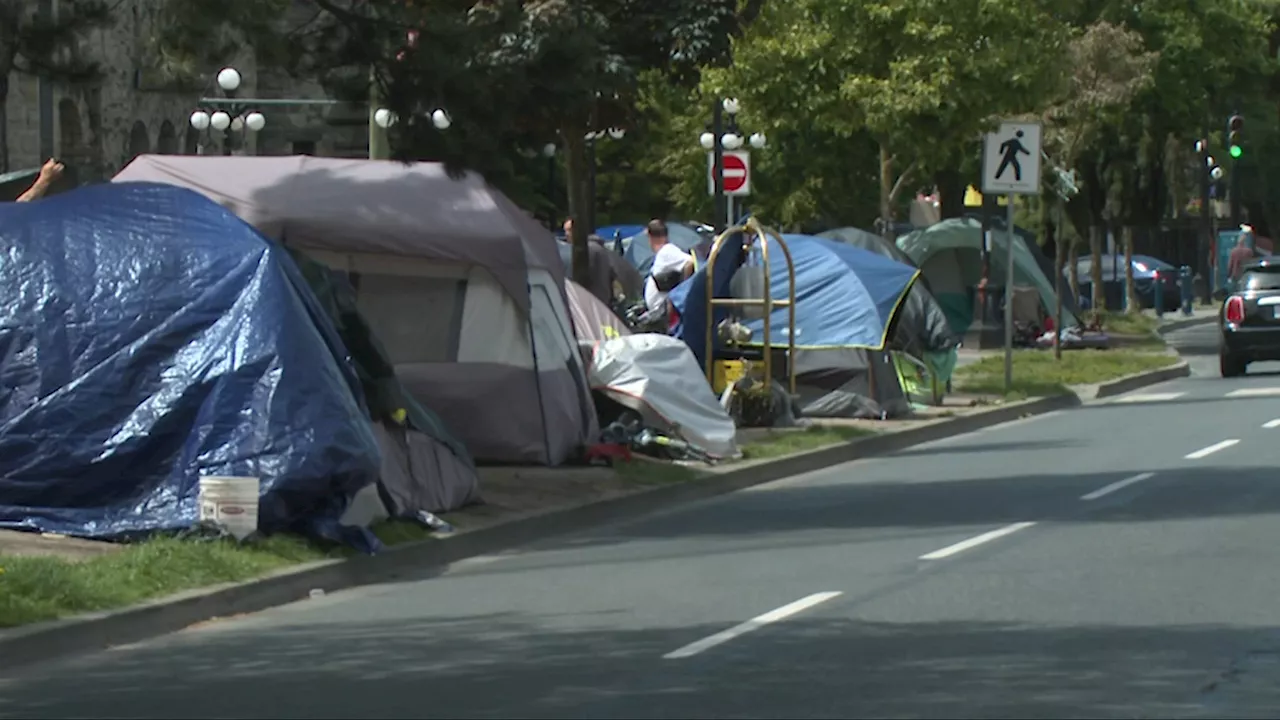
<point>1009,150</point>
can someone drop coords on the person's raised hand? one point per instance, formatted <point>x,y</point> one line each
<point>52,170</point>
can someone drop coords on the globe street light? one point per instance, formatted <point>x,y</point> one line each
<point>440,119</point>
<point>228,115</point>
<point>255,121</point>
<point>229,80</point>
<point>384,118</point>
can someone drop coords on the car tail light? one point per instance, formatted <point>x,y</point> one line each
<point>1235,310</point>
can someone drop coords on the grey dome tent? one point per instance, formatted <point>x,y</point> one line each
<point>464,290</point>
<point>920,325</point>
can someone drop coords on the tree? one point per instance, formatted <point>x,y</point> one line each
<point>519,74</point>
<point>916,82</point>
<point>39,44</point>
<point>1201,58</point>
<point>1108,65</point>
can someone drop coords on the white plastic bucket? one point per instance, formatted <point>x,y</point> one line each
<point>231,502</point>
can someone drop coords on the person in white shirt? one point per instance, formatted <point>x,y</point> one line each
<point>671,266</point>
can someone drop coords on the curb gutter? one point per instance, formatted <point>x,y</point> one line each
<point>23,646</point>
<point>1129,383</point>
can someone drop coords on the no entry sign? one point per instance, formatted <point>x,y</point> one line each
<point>737,173</point>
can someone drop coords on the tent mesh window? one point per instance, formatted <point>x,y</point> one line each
<point>417,318</point>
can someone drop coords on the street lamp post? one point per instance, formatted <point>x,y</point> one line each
<point>615,133</point>
<point>722,135</point>
<point>229,116</point>
<point>1209,173</point>
<point>549,152</point>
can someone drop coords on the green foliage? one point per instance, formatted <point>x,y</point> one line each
<point>1120,86</point>
<point>831,82</point>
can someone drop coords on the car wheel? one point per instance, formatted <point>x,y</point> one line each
<point>1230,366</point>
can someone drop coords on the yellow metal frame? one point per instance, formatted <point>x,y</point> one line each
<point>755,232</point>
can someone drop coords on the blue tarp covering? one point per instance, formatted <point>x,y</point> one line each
<point>845,296</point>
<point>148,337</point>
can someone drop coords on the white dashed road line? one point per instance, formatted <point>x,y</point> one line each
<point>1207,451</point>
<point>1120,485</point>
<point>975,541</point>
<point>751,625</point>
<point>1254,392</point>
<point>1271,424</point>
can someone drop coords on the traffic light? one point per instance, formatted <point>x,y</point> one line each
<point>1235,126</point>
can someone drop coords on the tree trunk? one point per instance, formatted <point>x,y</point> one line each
<point>951,186</point>
<point>1051,235</point>
<point>886,193</point>
<point>1099,299</point>
<point>576,176</point>
<point>1131,302</point>
<point>4,119</point>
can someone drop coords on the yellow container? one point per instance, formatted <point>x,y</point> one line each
<point>727,372</point>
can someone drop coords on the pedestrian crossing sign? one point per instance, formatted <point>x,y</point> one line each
<point>1011,159</point>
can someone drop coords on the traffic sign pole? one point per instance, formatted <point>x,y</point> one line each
<point>1011,165</point>
<point>1008,300</point>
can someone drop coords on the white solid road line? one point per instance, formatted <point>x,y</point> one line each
<point>1120,485</point>
<point>1254,392</point>
<point>1205,452</point>
<point>1270,424</point>
<point>1149,397</point>
<point>975,541</point>
<point>754,623</point>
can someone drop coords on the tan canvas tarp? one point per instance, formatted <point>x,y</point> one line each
<point>592,320</point>
<point>371,206</point>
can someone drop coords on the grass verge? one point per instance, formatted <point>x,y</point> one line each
<point>813,437</point>
<point>1121,323</point>
<point>40,588</point>
<point>1037,374</point>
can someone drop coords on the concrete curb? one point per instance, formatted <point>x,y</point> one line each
<point>1175,325</point>
<point>1132,382</point>
<point>24,646</point>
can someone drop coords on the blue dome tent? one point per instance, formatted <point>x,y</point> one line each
<point>846,302</point>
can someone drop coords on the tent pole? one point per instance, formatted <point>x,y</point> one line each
<point>537,377</point>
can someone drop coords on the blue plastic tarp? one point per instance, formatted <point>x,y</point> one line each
<point>148,337</point>
<point>846,297</point>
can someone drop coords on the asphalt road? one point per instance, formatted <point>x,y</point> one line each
<point>1117,560</point>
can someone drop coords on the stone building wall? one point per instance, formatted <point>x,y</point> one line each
<point>99,129</point>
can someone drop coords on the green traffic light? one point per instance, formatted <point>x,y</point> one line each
<point>1236,151</point>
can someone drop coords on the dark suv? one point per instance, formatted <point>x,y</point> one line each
<point>1250,318</point>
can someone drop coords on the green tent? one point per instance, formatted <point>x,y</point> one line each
<point>949,255</point>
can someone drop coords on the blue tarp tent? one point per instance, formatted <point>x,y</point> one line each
<point>846,300</point>
<point>148,337</point>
